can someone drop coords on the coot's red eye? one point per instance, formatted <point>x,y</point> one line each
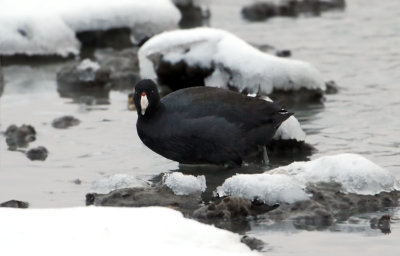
<point>143,94</point>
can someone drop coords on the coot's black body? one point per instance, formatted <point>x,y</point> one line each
<point>205,125</point>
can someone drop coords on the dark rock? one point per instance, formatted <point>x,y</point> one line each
<point>65,122</point>
<point>131,103</point>
<point>283,53</point>
<point>19,137</point>
<point>83,79</point>
<point>297,97</point>
<point>261,10</point>
<point>192,15</point>
<point>15,204</point>
<point>77,181</point>
<point>383,224</point>
<point>123,64</point>
<point>291,149</point>
<point>253,243</point>
<point>329,205</point>
<point>142,197</point>
<point>1,82</point>
<point>117,38</point>
<point>331,87</point>
<point>39,153</point>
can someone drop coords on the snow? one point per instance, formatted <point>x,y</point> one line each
<point>290,129</point>
<point>287,184</point>
<point>26,27</point>
<point>269,188</point>
<point>355,173</point>
<point>182,184</point>
<point>116,181</point>
<point>236,62</point>
<point>112,231</point>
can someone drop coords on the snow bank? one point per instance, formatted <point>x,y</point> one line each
<point>235,62</point>
<point>355,173</point>
<point>182,184</point>
<point>112,231</point>
<point>45,27</point>
<point>116,181</point>
<point>269,188</point>
<point>286,184</point>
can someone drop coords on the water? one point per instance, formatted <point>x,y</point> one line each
<point>359,48</point>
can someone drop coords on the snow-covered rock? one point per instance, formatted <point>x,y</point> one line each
<point>213,57</point>
<point>182,184</point>
<point>112,231</point>
<point>355,173</point>
<point>46,27</point>
<point>290,130</point>
<point>266,187</point>
<point>288,184</point>
<point>116,181</point>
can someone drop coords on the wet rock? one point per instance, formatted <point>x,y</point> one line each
<point>297,97</point>
<point>331,87</point>
<point>15,204</point>
<point>382,223</point>
<point>192,14</point>
<point>65,122</point>
<point>86,78</point>
<point>77,181</point>
<point>253,243</point>
<point>283,53</point>
<point>263,10</point>
<point>19,137</point>
<point>39,153</point>
<point>149,196</point>
<point>123,64</point>
<point>117,38</point>
<point>329,205</point>
<point>1,82</point>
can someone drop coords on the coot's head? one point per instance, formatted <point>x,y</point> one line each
<point>146,97</point>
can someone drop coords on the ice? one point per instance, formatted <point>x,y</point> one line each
<point>182,184</point>
<point>112,231</point>
<point>355,173</point>
<point>116,181</point>
<point>287,184</point>
<point>271,189</point>
<point>236,62</point>
<point>46,27</point>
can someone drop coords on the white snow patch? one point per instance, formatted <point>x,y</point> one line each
<point>88,64</point>
<point>116,181</point>
<point>290,129</point>
<point>269,188</point>
<point>182,184</point>
<point>286,184</point>
<point>236,62</point>
<point>355,173</point>
<point>45,27</point>
<point>104,231</point>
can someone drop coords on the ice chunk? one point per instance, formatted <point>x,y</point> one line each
<point>234,62</point>
<point>116,181</point>
<point>185,184</point>
<point>104,231</point>
<point>269,188</point>
<point>355,173</point>
<point>45,27</point>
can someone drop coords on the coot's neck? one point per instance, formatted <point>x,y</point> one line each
<point>151,112</point>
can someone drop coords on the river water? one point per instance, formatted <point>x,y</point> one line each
<point>358,48</point>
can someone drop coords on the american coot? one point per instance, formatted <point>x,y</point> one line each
<point>204,125</point>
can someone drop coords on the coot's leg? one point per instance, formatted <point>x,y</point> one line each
<point>265,156</point>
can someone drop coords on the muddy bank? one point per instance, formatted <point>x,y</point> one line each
<point>263,10</point>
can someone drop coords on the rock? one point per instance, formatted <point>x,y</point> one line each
<point>77,181</point>
<point>283,53</point>
<point>331,87</point>
<point>15,204</point>
<point>284,149</point>
<point>383,224</point>
<point>19,137</point>
<point>65,122</point>
<point>329,205</point>
<point>131,103</point>
<point>263,10</point>
<point>253,243</point>
<point>123,64</point>
<point>117,38</point>
<point>150,196</point>
<point>39,153</point>
<point>86,78</point>
<point>192,14</point>
<point>1,82</point>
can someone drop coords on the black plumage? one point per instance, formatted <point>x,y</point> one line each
<point>205,125</point>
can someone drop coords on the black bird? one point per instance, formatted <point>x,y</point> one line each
<point>205,125</point>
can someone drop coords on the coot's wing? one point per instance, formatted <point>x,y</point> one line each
<point>247,112</point>
<point>196,140</point>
